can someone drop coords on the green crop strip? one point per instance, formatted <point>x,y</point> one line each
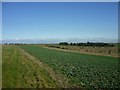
<point>84,70</point>
<point>19,72</point>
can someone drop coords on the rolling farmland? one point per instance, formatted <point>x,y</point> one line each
<point>81,70</point>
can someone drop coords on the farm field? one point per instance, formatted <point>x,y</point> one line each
<point>103,51</point>
<point>19,70</point>
<point>59,45</point>
<point>81,70</point>
<point>0,66</point>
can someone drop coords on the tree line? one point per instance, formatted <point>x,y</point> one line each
<point>101,44</point>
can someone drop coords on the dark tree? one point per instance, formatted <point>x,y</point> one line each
<point>63,43</point>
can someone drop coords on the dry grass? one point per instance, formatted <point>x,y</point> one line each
<point>21,71</point>
<point>104,51</point>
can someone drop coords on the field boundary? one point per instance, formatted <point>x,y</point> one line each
<point>58,78</point>
<point>80,52</point>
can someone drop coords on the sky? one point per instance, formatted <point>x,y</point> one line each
<point>83,20</point>
<point>0,22</point>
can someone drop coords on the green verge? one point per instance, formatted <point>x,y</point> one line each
<point>0,66</point>
<point>90,71</point>
<point>19,72</point>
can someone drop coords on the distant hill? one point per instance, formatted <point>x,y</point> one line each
<point>56,41</point>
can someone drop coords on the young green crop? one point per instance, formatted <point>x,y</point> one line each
<point>82,69</point>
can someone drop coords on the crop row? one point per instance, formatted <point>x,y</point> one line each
<point>82,69</point>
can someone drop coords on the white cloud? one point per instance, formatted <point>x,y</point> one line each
<point>52,40</point>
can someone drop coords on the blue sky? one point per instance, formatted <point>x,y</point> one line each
<point>0,22</point>
<point>60,20</point>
